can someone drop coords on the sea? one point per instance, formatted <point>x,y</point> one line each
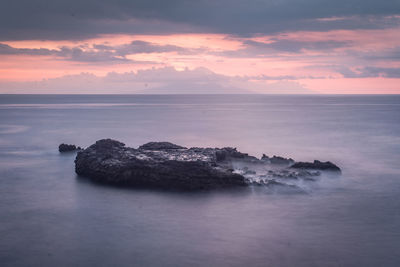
<point>51,217</point>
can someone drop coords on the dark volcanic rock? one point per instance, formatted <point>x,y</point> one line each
<point>110,161</point>
<point>160,146</point>
<point>169,166</point>
<point>68,148</point>
<point>316,165</point>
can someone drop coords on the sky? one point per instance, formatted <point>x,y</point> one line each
<point>200,46</point>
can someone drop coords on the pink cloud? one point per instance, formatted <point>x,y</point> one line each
<point>321,61</point>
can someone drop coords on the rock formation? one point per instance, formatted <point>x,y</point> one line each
<point>168,166</point>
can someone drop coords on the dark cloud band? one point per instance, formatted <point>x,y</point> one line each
<point>57,19</point>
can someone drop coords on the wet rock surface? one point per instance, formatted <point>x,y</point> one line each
<point>168,166</point>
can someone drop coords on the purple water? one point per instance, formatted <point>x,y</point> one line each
<point>50,217</point>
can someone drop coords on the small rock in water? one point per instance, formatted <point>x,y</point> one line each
<point>68,148</point>
<point>316,165</point>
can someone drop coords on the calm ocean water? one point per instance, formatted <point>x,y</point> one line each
<point>50,217</point>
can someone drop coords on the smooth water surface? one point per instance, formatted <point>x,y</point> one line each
<point>51,217</point>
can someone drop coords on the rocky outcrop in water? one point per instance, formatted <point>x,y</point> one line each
<point>168,166</point>
<point>316,165</point>
<point>68,148</point>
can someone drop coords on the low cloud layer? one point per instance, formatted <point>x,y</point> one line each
<point>154,81</point>
<point>368,72</point>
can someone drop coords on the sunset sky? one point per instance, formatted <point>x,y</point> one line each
<point>203,46</point>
